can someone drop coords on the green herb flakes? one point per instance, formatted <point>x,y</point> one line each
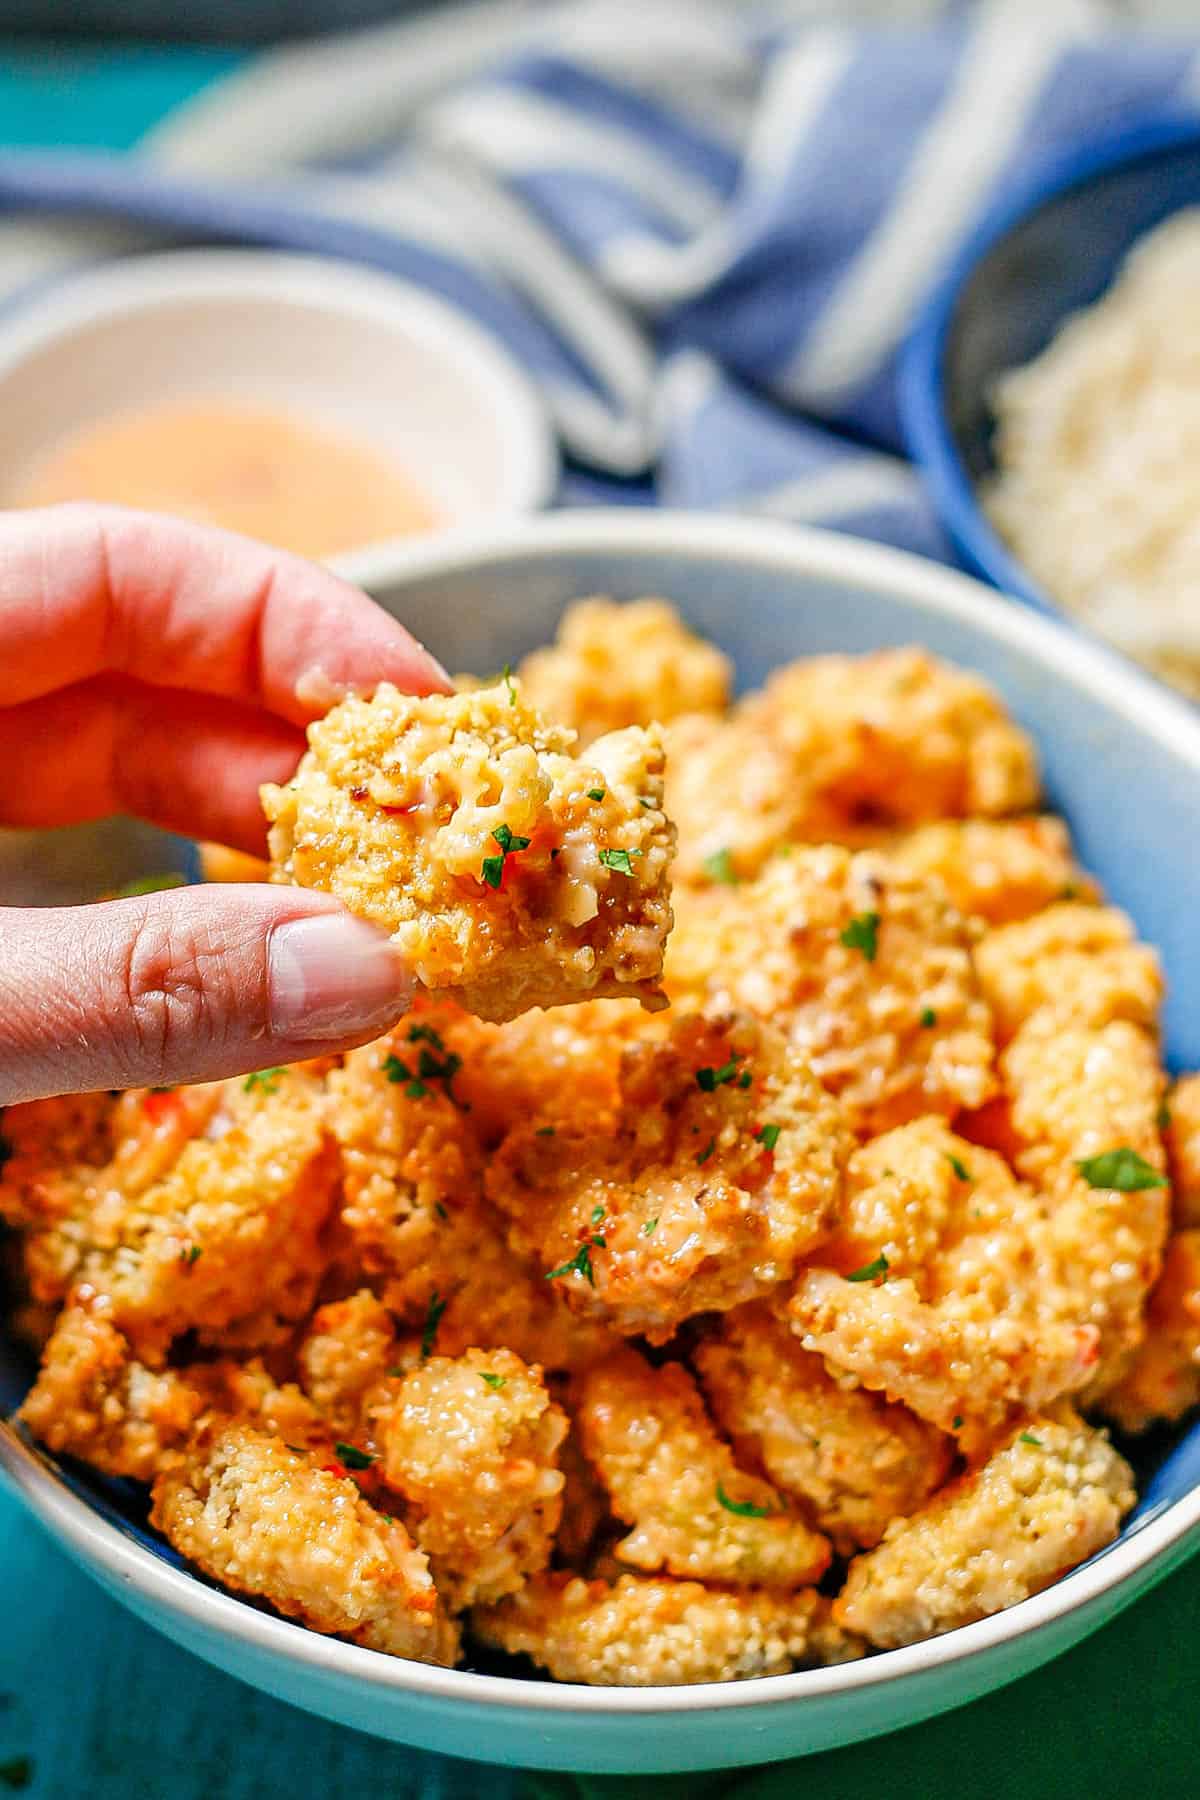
<point>1027,1437</point>
<point>768,1135</point>
<point>744,1509</point>
<point>495,1382</point>
<point>719,867</point>
<point>492,872</point>
<point>351,1457</point>
<point>266,1080</point>
<point>433,1318</point>
<point>620,860</point>
<point>960,1168</point>
<point>506,677</point>
<point>1122,1169</point>
<point>871,1271</point>
<point>711,1079</point>
<point>596,793</point>
<point>928,1018</point>
<point>707,1151</point>
<point>862,933</point>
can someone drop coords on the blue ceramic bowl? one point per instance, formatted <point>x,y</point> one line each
<point>1121,761</point>
<point>1047,249</point>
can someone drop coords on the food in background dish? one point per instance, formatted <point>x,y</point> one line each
<point>289,481</point>
<point>604,1336</point>
<point>1098,458</point>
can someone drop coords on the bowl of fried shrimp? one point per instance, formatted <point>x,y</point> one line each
<point>752,1301</point>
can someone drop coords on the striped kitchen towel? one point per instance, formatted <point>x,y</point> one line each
<point>704,229</point>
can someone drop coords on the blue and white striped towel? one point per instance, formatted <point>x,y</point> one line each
<point>705,231</point>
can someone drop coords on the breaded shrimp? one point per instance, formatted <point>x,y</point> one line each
<point>853,1461</point>
<point>1162,1378</point>
<point>865,967</point>
<point>1049,1496</point>
<point>472,1445</point>
<point>614,664</point>
<point>1082,961</point>
<point>834,744</point>
<point>642,1632</point>
<point>1183,1148</point>
<point>347,1350</point>
<point>261,1519</point>
<point>942,1287</point>
<point>509,873</point>
<point>720,1169</point>
<point>1001,870</point>
<point>694,1512</point>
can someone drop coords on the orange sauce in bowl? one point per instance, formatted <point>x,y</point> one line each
<point>267,474</point>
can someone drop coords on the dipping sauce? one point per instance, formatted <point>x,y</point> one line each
<point>272,476</point>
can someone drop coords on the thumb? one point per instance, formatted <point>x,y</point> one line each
<point>188,985</point>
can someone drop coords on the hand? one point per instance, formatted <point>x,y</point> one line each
<point>151,667</point>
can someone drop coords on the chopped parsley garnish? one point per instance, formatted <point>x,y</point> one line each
<point>544,1131</point>
<point>352,1457</point>
<point>597,1215</point>
<point>493,866</point>
<point>495,1382</point>
<point>440,1210</point>
<point>433,1318</point>
<point>745,1509</point>
<point>429,1068</point>
<point>506,678</point>
<point>1122,1169</point>
<point>960,1168</point>
<point>871,1271</point>
<point>190,1254</point>
<point>265,1079</point>
<point>621,860</point>
<point>596,793</point>
<point>1162,1117</point>
<point>928,1017</point>
<point>395,1070</point>
<point>650,1227</point>
<point>707,1150</point>
<point>150,884</point>
<point>1027,1437</point>
<point>768,1135</point>
<point>956,1422</point>
<point>862,933</point>
<point>711,1079</point>
<point>425,1034</point>
<point>646,800</point>
<point>745,1078</point>
<point>580,1263</point>
<point>719,867</point>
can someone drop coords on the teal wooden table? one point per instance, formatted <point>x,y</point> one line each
<point>94,1706</point>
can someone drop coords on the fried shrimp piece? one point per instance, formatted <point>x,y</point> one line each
<point>1083,961</point>
<point>415,1215</point>
<point>509,873</point>
<point>1048,1497</point>
<point>1162,1379</point>
<point>472,1445</point>
<point>261,1519</point>
<point>1001,870</point>
<point>346,1352</point>
<point>853,1460</point>
<point>1183,1148</point>
<point>52,1152</point>
<point>94,1400</point>
<point>694,1512</point>
<point>641,1632</point>
<point>865,967</point>
<point>615,664</point>
<point>834,744</point>
<point>943,1287</point>
<point>720,1169</point>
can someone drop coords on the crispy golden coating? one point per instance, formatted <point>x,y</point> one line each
<point>670,1476</point>
<point>472,1445</point>
<point>854,1461</point>
<point>866,968</point>
<point>834,744</point>
<point>1082,961</point>
<point>1001,870</point>
<point>640,1632</point>
<point>348,1349</point>
<point>615,664</point>
<point>721,1167</point>
<point>463,825</point>
<point>942,1287</point>
<point>1047,1498</point>
<point>1183,1148</point>
<point>261,1519</point>
<point>1162,1378</point>
<point>94,1400</point>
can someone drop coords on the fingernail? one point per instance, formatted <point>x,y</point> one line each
<point>333,976</point>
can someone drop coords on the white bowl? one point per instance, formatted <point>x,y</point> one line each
<point>370,356</point>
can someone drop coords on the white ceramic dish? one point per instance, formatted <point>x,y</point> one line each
<point>1122,761</point>
<point>380,361</point>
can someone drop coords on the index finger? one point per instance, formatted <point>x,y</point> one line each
<point>90,590</point>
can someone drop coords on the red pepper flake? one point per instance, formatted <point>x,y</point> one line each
<point>161,1104</point>
<point>358,793</point>
<point>335,1468</point>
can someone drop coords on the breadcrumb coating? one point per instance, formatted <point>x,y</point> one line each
<point>694,1512</point>
<point>867,969</point>
<point>509,873</point>
<point>1162,1378</point>
<point>721,1167</point>
<point>834,744</point>
<point>615,664</point>
<point>261,1519</point>
<point>1183,1148</point>
<point>1000,870</point>
<point>1082,961</point>
<point>472,1445</point>
<point>347,1350</point>
<point>853,1460</point>
<point>1049,1497</point>
<point>640,1632</point>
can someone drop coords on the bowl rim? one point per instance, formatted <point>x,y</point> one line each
<point>923,417</point>
<point>803,551</point>
<point>39,319</point>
